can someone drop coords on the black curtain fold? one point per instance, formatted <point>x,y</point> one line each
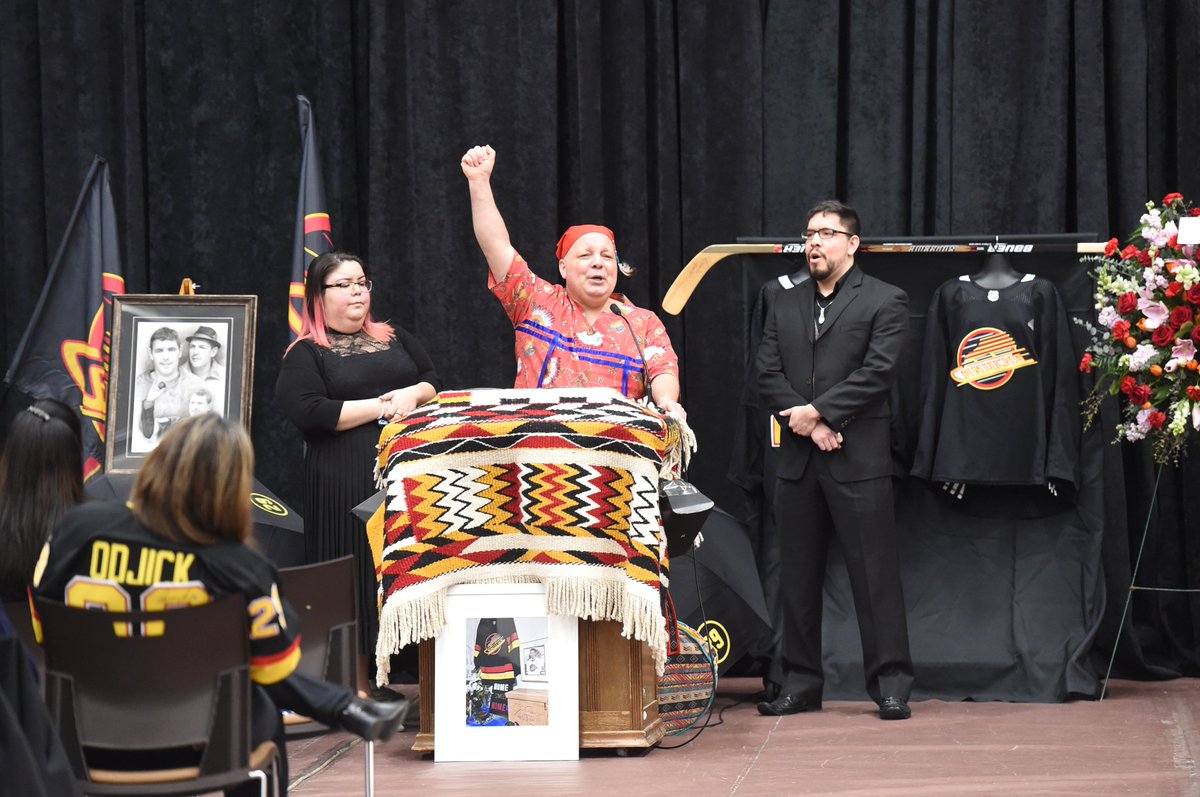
<point>677,124</point>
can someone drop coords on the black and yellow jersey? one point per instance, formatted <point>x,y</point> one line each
<point>101,557</point>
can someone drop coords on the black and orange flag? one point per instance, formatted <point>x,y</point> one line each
<point>65,350</point>
<point>313,230</point>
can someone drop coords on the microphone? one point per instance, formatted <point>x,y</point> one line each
<point>616,310</point>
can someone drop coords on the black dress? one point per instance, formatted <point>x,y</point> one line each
<point>339,466</point>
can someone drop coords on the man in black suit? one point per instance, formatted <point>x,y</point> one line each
<point>826,362</point>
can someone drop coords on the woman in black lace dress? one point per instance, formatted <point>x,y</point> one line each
<point>344,375</point>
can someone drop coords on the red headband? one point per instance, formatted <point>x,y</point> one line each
<point>573,234</point>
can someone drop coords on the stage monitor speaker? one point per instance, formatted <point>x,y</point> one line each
<point>684,510</point>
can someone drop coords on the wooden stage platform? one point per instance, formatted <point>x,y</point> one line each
<point>1144,740</point>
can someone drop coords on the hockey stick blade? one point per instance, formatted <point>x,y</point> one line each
<point>687,280</point>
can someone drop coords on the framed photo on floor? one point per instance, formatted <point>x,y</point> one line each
<point>175,356</point>
<point>506,686</point>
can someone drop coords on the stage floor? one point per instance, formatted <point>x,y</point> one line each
<point>1141,740</point>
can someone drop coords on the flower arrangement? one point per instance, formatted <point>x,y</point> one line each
<point>1148,310</point>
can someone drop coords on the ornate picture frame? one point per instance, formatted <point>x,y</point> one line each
<point>174,356</point>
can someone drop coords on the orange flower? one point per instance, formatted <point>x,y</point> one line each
<point>1156,370</point>
<point>1131,342</point>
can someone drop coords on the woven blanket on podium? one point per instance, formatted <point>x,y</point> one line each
<point>554,485</point>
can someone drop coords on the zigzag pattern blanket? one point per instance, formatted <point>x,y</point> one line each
<point>552,485</point>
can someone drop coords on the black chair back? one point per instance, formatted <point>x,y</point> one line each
<point>181,678</point>
<point>323,595</point>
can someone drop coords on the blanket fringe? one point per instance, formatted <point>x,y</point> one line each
<point>411,620</point>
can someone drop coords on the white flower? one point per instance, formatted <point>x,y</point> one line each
<point>1187,273</point>
<point>1108,316</point>
<point>1179,418</point>
<point>1142,356</point>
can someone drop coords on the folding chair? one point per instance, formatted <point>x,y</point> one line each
<point>324,596</point>
<point>187,687</point>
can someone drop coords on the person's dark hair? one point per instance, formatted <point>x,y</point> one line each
<point>312,321</point>
<point>194,487</point>
<point>165,333</point>
<point>847,214</point>
<point>41,477</point>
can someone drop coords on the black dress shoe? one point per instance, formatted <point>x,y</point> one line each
<point>372,720</point>
<point>894,708</point>
<point>381,694</point>
<point>788,704</point>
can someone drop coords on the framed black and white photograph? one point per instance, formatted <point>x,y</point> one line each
<point>488,706</point>
<point>535,665</point>
<point>175,356</point>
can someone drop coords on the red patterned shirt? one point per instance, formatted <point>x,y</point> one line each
<point>557,347</point>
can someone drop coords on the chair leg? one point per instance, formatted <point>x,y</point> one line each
<point>261,777</point>
<point>369,769</point>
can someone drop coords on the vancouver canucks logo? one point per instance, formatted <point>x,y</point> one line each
<point>987,358</point>
<point>492,644</point>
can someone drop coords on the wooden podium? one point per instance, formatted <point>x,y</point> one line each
<point>618,690</point>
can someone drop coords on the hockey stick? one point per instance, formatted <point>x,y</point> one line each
<point>687,280</point>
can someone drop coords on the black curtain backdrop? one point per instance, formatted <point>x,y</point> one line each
<point>678,124</point>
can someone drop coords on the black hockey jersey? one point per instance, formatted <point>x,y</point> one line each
<point>497,649</point>
<point>101,557</point>
<point>1000,397</point>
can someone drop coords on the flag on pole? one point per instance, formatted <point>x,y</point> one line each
<point>65,350</point>
<point>313,230</point>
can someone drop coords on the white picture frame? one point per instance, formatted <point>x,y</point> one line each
<point>557,636</point>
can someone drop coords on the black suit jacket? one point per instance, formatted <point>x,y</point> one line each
<point>846,372</point>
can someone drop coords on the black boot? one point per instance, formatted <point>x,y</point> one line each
<point>372,720</point>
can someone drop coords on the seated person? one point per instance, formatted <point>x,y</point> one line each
<point>581,334</point>
<point>189,513</point>
<point>41,477</point>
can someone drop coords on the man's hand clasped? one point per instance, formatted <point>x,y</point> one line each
<point>805,421</point>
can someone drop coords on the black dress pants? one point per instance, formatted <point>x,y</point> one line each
<point>809,511</point>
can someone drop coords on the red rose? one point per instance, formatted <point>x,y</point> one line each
<point>1173,243</point>
<point>1120,330</point>
<point>1193,294</point>
<point>1127,303</point>
<point>1194,212</point>
<point>1173,289</point>
<point>1156,419</point>
<point>1196,335</point>
<point>1144,258</point>
<point>1129,253</point>
<point>1111,247</point>
<point>1085,365</point>
<point>1163,335</point>
<point>1180,316</point>
<point>1172,197</point>
<point>1193,392</point>
<point>1127,385</point>
<point>1140,394</point>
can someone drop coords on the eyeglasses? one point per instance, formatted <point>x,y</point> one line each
<point>347,286</point>
<point>826,233</point>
